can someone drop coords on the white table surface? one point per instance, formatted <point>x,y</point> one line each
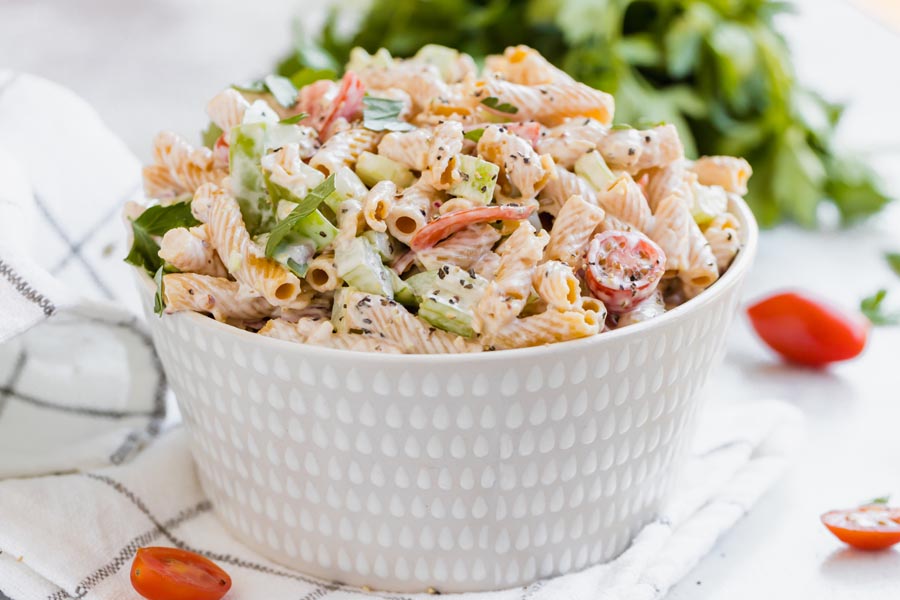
<point>152,65</point>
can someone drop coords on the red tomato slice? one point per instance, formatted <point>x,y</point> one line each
<point>348,102</point>
<point>872,527</point>
<point>806,331</point>
<point>173,574</point>
<point>220,151</point>
<point>450,223</point>
<point>623,268</point>
<point>530,130</point>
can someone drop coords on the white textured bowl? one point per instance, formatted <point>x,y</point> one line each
<point>458,472</point>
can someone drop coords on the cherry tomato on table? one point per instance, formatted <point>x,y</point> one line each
<point>806,331</point>
<point>623,268</point>
<point>173,574</point>
<point>870,527</point>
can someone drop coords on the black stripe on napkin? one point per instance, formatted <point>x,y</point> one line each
<point>25,288</point>
<point>223,558</point>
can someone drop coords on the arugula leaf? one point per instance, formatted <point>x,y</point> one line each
<point>159,299</point>
<point>156,221</point>
<point>893,259</point>
<point>296,268</point>
<point>380,114</point>
<point>475,134</point>
<point>305,208</point>
<point>872,308</point>
<point>294,119</point>
<point>494,103</point>
<point>210,135</point>
<point>281,88</point>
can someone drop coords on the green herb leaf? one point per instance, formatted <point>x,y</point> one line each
<point>494,103</point>
<point>156,221</point>
<point>475,134</point>
<point>879,500</point>
<point>893,259</point>
<point>294,119</point>
<point>380,114</point>
<point>305,208</point>
<point>280,87</point>
<point>159,299</point>
<point>282,90</point>
<point>872,308</point>
<point>211,135</point>
<point>305,76</point>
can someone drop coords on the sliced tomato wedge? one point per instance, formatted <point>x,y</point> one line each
<point>807,331</point>
<point>220,151</point>
<point>450,223</point>
<point>349,100</point>
<point>623,268</point>
<point>325,102</point>
<point>172,574</point>
<point>870,527</point>
<point>530,130</point>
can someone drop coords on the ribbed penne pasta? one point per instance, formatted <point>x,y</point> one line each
<point>508,291</point>
<point>243,259</point>
<point>625,201</point>
<point>216,296</point>
<point>644,311</point>
<point>572,229</point>
<point>178,167</point>
<point>665,181</point>
<point>189,250</point>
<point>378,204</point>
<point>671,230</point>
<point>343,148</point>
<point>422,81</point>
<point>321,274</point>
<point>723,235</point>
<point>702,268</point>
<point>446,143</point>
<point>636,150</point>
<point>550,103</point>
<point>412,210</point>
<point>286,168</point>
<point>563,186</point>
<point>523,171</point>
<point>521,64</point>
<point>546,328</point>
<point>570,141</point>
<point>227,109</point>
<point>557,285</point>
<point>728,172</point>
<point>321,333</point>
<point>409,148</point>
<point>463,249</point>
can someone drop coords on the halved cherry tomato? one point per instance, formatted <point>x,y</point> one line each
<point>623,268</point>
<point>871,527</point>
<point>173,574</point>
<point>348,102</point>
<point>807,331</point>
<point>450,223</point>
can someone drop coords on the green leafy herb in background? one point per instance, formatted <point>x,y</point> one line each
<point>872,307</point>
<point>282,89</point>
<point>717,69</point>
<point>893,260</point>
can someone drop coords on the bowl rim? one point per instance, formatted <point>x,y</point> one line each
<point>741,264</point>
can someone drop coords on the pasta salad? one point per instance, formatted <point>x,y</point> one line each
<point>421,206</point>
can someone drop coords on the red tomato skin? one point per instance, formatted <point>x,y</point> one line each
<point>626,295</point>
<point>806,331</point>
<point>446,225</point>
<point>861,539</point>
<point>159,573</point>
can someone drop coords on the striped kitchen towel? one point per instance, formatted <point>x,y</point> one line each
<point>82,393</point>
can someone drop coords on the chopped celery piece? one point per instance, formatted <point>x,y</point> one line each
<point>478,179</point>
<point>373,168</point>
<point>295,255</point>
<point>360,266</point>
<point>592,167</point>
<point>347,184</point>
<point>316,228</point>
<point>451,301</point>
<point>386,246</point>
<point>422,283</point>
<point>259,112</point>
<point>402,292</point>
<point>300,185</point>
<point>247,145</point>
<point>707,203</point>
<point>361,60</point>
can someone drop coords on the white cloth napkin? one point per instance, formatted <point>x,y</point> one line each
<point>82,393</point>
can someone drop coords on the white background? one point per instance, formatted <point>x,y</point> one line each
<point>151,65</point>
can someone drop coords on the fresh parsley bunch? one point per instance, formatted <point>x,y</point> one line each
<point>717,69</point>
